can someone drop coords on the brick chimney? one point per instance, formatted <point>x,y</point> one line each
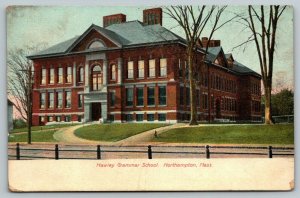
<point>113,19</point>
<point>152,16</point>
<point>212,43</point>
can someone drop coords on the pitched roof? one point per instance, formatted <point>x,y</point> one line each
<point>124,34</point>
<point>213,53</point>
<point>240,68</point>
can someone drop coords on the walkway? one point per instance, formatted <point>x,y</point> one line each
<point>147,136</point>
<point>66,135</point>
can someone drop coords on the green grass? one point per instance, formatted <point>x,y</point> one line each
<point>113,132</point>
<point>38,128</point>
<point>43,136</point>
<point>238,134</point>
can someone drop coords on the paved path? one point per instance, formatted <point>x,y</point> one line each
<point>66,135</point>
<point>148,135</point>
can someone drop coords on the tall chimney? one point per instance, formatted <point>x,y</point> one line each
<point>113,19</point>
<point>212,43</point>
<point>152,16</point>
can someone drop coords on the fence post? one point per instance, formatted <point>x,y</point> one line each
<point>18,151</point>
<point>149,152</point>
<point>270,152</point>
<point>207,152</point>
<point>98,152</point>
<point>56,152</point>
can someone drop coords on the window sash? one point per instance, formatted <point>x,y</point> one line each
<point>129,97</point>
<point>69,75</point>
<point>130,70</point>
<point>140,96</point>
<point>112,98</point>
<point>152,68</point>
<point>151,98</point>
<point>51,100</point>
<point>43,80</point>
<point>42,100</point>
<point>51,79</point>
<point>139,117</point>
<point>80,100</point>
<point>141,70</point>
<point>163,67</point>
<point>59,100</point>
<point>68,99</point>
<point>162,96</point>
<point>113,72</point>
<point>81,74</point>
<point>60,75</point>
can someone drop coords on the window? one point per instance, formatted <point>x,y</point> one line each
<point>112,98</point>
<point>113,72</point>
<point>150,117</point>
<point>141,70</point>
<point>59,96</point>
<point>51,100</point>
<point>43,79</point>
<point>151,68</point>
<point>96,78</point>
<point>111,117</point>
<point>69,75</point>
<point>58,118</point>
<point>205,101</point>
<point>41,119</point>
<point>129,96</point>
<point>96,44</point>
<point>129,117</point>
<point>68,99</point>
<point>162,95</point>
<point>60,75</point>
<point>162,117</point>
<point>50,118</point>
<point>130,70</point>
<point>163,67</point>
<point>181,96</point>
<point>180,69</point>
<point>188,101</point>
<point>79,118</point>
<point>67,118</point>
<point>51,76</point>
<point>151,99</point>
<point>80,100</point>
<point>81,74</point>
<point>140,96</point>
<point>42,100</point>
<point>139,117</point>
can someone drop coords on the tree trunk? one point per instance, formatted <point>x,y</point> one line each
<point>268,112</point>
<point>193,120</point>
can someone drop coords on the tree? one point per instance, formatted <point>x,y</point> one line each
<point>193,23</point>
<point>283,102</point>
<point>263,25</point>
<point>19,83</point>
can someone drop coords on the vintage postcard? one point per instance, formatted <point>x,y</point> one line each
<point>164,98</point>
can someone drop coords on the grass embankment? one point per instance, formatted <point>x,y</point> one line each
<point>36,136</point>
<point>237,134</point>
<point>42,128</point>
<point>113,132</point>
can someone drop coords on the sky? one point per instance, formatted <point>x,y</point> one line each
<point>33,25</point>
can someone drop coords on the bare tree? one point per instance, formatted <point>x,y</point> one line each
<point>263,24</point>
<point>193,20</point>
<point>19,83</point>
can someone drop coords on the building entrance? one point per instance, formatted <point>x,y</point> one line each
<point>96,111</point>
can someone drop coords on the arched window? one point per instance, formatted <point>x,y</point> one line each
<point>96,78</point>
<point>96,44</point>
<point>81,74</point>
<point>113,72</point>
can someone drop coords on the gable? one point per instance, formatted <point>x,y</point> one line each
<point>220,59</point>
<point>93,35</point>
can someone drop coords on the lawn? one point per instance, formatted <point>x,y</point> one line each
<point>43,136</point>
<point>237,134</point>
<point>39,128</point>
<point>113,132</point>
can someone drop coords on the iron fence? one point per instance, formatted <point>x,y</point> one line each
<point>96,152</point>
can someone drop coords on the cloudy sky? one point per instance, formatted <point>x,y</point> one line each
<point>31,26</point>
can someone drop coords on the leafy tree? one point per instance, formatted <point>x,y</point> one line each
<point>283,103</point>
